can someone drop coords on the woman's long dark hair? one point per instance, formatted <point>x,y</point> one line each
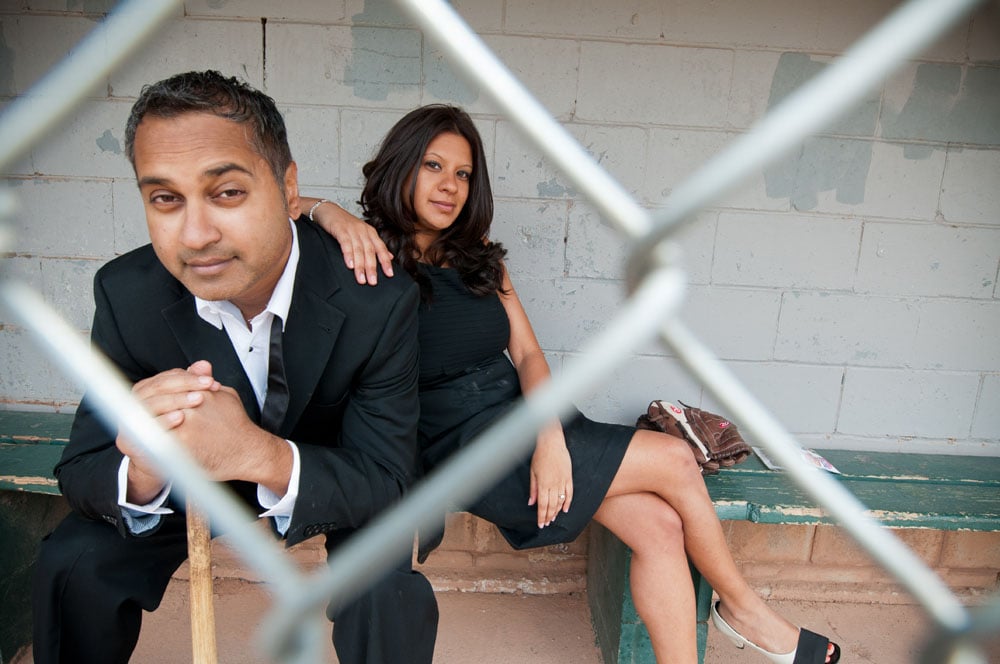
<point>387,201</point>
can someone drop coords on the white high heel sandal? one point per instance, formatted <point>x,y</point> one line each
<point>812,648</point>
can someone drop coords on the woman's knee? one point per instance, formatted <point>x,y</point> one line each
<point>658,527</point>
<point>666,525</point>
<point>670,454</point>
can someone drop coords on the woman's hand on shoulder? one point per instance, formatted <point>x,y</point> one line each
<point>551,475</point>
<point>363,249</point>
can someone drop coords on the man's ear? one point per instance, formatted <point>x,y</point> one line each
<point>291,185</point>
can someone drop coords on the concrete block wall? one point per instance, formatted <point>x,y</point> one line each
<point>852,285</point>
<point>473,557</point>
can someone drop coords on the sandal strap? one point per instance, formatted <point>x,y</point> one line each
<point>812,648</point>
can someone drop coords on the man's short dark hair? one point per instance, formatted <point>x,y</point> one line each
<point>225,97</point>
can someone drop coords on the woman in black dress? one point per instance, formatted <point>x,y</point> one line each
<point>427,197</point>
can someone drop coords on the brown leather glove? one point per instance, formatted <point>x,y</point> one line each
<point>714,440</point>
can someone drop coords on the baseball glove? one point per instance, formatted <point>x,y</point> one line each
<point>714,440</point>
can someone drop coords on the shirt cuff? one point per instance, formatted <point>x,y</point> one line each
<point>140,518</point>
<point>280,508</point>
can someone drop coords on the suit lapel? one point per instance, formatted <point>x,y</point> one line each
<point>313,324</point>
<point>201,341</point>
<point>310,333</point>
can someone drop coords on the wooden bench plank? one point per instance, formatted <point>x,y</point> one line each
<point>947,467</point>
<point>39,428</point>
<point>28,467</point>
<point>777,500</point>
<point>906,490</point>
<point>899,466</point>
<point>30,445</point>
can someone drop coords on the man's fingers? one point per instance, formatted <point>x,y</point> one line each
<point>163,404</point>
<point>171,420</point>
<point>225,389</point>
<point>173,381</point>
<point>201,368</point>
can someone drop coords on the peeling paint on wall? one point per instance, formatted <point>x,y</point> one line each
<point>379,62</point>
<point>444,85</point>
<point>552,189</point>
<point>379,12</point>
<point>949,103</point>
<point>380,57</point>
<point>821,164</point>
<point>796,69</point>
<point>108,143</point>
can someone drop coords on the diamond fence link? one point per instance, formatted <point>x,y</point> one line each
<point>294,629</point>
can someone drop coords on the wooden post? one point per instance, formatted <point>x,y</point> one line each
<point>202,608</point>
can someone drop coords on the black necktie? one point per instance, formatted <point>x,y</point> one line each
<point>276,400</point>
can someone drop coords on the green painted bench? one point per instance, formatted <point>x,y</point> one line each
<point>30,506</point>
<point>30,446</point>
<point>903,490</point>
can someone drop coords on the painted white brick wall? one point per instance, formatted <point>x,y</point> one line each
<point>786,251</point>
<point>928,259</point>
<point>36,42</point>
<point>924,404</point>
<point>233,47</point>
<point>852,285</point>
<point>968,191</point>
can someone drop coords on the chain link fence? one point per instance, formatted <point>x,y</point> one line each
<point>295,630</point>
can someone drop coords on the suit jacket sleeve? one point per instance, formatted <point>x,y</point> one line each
<point>88,470</point>
<point>345,486</point>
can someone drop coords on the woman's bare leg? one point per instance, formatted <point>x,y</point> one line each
<point>663,465</point>
<point>660,579</point>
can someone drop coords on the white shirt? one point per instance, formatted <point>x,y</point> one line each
<point>251,346</point>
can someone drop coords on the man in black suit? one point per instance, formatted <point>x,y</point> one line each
<point>188,319</point>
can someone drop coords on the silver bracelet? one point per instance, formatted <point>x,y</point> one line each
<point>316,205</point>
